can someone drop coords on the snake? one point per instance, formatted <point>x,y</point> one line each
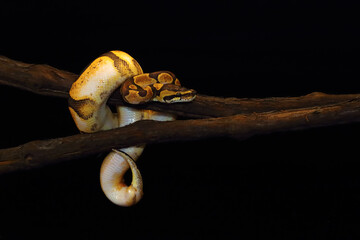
<point>87,103</point>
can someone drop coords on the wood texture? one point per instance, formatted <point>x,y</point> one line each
<point>46,80</point>
<point>224,117</point>
<point>241,126</point>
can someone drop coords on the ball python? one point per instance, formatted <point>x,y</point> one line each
<point>90,112</point>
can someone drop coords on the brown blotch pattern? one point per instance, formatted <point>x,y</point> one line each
<point>137,65</point>
<point>158,86</point>
<point>84,108</point>
<point>143,80</point>
<point>118,62</point>
<point>161,85</point>
<point>137,97</point>
<point>165,78</point>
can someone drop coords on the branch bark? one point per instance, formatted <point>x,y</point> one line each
<point>241,126</point>
<point>231,117</point>
<point>46,80</point>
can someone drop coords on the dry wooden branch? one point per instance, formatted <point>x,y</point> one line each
<point>47,80</point>
<point>241,126</point>
<point>239,118</point>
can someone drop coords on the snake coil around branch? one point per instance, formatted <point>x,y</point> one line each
<point>232,117</point>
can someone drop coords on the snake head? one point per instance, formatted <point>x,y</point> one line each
<point>172,93</point>
<point>161,86</point>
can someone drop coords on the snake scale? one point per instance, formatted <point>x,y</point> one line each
<point>89,109</point>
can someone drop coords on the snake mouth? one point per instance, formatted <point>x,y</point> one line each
<point>185,95</point>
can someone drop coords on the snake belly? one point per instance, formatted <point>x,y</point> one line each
<point>87,105</point>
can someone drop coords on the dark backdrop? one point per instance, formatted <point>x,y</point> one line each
<point>295,185</point>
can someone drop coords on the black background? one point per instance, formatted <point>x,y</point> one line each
<point>295,185</point>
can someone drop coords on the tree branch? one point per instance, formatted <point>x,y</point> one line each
<point>231,117</point>
<point>46,80</point>
<point>241,126</point>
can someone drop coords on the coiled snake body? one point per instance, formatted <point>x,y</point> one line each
<point>87,105</point>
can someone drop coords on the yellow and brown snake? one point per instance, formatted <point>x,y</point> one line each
<point>88,107</point>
